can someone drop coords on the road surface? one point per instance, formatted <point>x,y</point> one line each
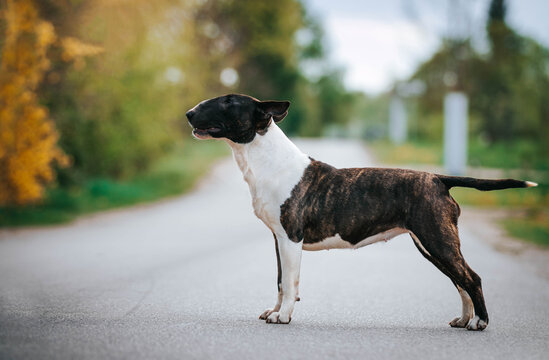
<point>187,278</point>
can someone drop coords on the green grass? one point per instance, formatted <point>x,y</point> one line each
<point>533,227</point>
<point>515,155</point>
<point>512,198</point>
<point>172,175</point>
<point>519,154</point>
<point>409,153</point>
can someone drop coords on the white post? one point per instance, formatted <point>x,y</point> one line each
<point>397,121</point>
<point>455,133</point>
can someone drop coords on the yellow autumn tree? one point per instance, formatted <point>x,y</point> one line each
<point>28,138</point>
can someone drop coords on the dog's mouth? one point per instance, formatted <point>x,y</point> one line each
<point>206,133</point>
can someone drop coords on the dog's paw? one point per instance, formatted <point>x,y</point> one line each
<point>459,322</point>
<point>476,324</point>
<point>266,314</point>
<point>278,318</point>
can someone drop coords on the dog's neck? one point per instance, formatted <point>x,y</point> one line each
<point>272,165</point>
<point>272,153</point>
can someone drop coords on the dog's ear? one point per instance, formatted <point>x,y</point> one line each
<point>275,109</point>
<point>267,110</point>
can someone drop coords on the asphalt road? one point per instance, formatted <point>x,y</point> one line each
<point>187,278</point>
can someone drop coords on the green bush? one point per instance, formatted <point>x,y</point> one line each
<point>171,175</point>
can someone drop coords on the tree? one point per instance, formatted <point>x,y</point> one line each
<point>119,112</point>
<point>260,38</point>
<point>497,76</point>
<point>508,87</point>
<point>28,139</point>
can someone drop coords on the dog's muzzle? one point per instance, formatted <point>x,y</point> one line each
<point>206,133</point>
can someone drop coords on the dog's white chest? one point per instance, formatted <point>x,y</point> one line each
<point>271,165</point>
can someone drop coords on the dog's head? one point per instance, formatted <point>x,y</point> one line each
<point>235,117</point>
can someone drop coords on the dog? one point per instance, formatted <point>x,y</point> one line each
<point>310,205</point>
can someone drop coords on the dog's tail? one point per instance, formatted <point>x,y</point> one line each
<point>484,184</point>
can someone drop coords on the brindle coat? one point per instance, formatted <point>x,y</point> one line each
<point>358,203</point>
<point>354,204</point>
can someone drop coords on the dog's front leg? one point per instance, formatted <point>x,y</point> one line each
<point>276,308</point>
<point>289,263</point>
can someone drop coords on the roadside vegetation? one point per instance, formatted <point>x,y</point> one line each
<point>533,227</point>
<point>522,156</point>
<point>171,175</point>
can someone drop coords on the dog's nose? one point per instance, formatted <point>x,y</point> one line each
<point>190,114</point>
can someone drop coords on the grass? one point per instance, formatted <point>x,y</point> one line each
<point>515,155</point>
<point>409,153</point>
<point>520,154</point>
<point>172,175</point>
<point>534,226</point>
<point>511,198</point>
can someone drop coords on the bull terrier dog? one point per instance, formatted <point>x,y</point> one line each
<point>310,205</point>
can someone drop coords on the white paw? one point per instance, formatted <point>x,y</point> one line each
<point>476,324</point>
<point>278,318</point>
<point>460,322</point>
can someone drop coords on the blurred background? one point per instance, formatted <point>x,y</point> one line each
<point>93,92</point>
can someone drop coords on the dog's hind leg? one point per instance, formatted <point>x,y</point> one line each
<point>276,308</point>
<point>471,283</point>
<point>442,249</point>
<point>290,263</point>
<point>467,310</point>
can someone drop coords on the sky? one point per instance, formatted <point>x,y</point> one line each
<point>380,41</point>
